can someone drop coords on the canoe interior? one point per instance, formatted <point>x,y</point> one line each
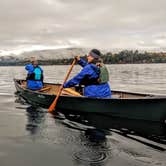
<point>52,89</point>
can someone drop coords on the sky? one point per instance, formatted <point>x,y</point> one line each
<point>103,24</point>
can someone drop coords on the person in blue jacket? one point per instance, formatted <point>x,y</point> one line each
<point>34,75</point>
<point>90,75</point>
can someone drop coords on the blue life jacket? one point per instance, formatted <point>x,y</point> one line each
<point>34,77</point>
<point>36,73</point>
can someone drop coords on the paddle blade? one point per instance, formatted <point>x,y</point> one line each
<point>52,106</point>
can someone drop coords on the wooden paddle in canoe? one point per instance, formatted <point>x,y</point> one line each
<point>53,105</point>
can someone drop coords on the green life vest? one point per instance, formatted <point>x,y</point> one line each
<point>104,74</point>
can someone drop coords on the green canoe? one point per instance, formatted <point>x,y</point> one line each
<point>126,105</point>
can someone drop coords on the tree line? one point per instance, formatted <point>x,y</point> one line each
<point>123,57</point>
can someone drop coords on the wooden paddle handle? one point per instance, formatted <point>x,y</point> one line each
<point>53,105</point>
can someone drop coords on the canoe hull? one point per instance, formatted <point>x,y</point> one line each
<point>149,109</point>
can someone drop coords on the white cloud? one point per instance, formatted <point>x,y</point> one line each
<point>22,49</point>
<point>134,24</point>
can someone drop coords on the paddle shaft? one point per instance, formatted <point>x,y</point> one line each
<point>53,105</point>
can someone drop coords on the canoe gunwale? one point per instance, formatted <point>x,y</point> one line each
<point>145,96</point>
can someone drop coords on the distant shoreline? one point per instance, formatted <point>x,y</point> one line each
<point>123,57</point>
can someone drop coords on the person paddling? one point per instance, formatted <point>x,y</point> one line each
<point>94,76</point>
<point>34,75</point>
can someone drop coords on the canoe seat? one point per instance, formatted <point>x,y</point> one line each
<point>70,92</point>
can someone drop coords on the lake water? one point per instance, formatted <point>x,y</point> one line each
<point>31,136</point>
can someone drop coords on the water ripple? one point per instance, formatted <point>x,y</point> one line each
<point>93,157</point>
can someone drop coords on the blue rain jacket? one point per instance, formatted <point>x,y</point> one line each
<point>91,71</point>
<point>34,84</point>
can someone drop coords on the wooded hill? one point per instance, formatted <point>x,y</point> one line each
<point>123,57</point>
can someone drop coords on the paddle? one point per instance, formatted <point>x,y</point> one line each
<point>53,105</point>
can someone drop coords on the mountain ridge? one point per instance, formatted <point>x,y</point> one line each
<point>53,54</point>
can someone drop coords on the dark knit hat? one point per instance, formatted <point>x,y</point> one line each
<point>95,53</point>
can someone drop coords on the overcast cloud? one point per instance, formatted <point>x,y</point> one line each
<point>110,24</point>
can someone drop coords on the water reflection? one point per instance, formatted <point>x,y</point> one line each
<point>35,119</point>
<point>90,146</point>
<point>150,130</point>
<point>142,127</point>
<point>95,135</point>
